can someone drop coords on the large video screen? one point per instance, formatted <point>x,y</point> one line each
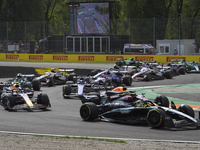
<point>89,18</point>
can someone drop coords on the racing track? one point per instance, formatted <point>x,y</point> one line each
<point>64,119</point>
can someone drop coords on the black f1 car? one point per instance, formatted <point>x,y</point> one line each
<point>14,97</point>
<point>132,109</point>
<point>26,80</point>
<point>56,77</point>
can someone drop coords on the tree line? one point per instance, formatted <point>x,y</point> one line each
<point>169,18</point>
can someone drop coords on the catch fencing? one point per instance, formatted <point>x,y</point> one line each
<point>56,37</point>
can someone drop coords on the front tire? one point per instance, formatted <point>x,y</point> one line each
<point>8,102</point>
<point>51,82</point>
<point>36,85</point>
<point>43,99</point>
<point>186,109</point>
<point>89,111</point>
<point>66,90</point>
<point>127,80</point>
<point>168,74</point>
<point>156,118</point>
<point>27,85</point>
<point>71,77</point>
<point>108,82</point>
<point>182,70</point>
<point>162,100</point>
<point>148,77</point>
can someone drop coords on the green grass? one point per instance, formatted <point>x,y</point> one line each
<point>82,138</point>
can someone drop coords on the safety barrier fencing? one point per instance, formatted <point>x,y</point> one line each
<point>91,58</point>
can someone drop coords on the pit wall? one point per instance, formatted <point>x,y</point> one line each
<point>91,57</point>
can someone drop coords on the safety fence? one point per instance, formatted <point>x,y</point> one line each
<point>57,37</point>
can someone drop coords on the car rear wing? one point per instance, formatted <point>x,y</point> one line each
<point>66,70</point>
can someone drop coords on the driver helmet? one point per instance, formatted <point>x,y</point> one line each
<point>19,75</point>
<point>116,67</point>
<point>15,87</point>
<point>53,70</point>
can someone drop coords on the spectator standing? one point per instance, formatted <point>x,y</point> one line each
<point>175,52</point>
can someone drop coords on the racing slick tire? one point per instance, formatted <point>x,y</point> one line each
<point>108,82</point>
<point>182,70</point>
<point>162,100</point>
<point>186,109</point>
<point>119,63</point>
<point>127,80</point>
<point>51,81</point>
<point>168,75</point>
<point>66,90</point>
<point>36,85</point>
<point>27,85</point>
<point>43,99</point>
<point>156,118</point>
<point>89,111</point>
<point>148,77</point>
<point>8,102</point>
<point>71,77</point>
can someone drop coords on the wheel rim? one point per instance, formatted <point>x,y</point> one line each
<point>155,118</point>
<point>6,103</point>
<point>85,112</point>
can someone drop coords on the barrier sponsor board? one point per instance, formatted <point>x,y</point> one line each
<point>62,58</point>
<point>144,58</point>
<point>113,58</point>
<point>86,58</point>
<point>12,57</point>
<point>168,59</point>
<point>91,57</point>
<point>35,57</point>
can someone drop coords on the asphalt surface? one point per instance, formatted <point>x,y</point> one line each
<point>60,65</point>
<point>64,119</point>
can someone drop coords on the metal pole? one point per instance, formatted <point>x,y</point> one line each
<point>63,37</point>
<point>179,50</point>
<point>154,34</point>
<point>7,37</point>
<point>84,37</point>
<point>129,36</point>
<point>25,37</point>
<point>44,36</point>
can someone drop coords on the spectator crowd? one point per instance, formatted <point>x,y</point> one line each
<point>23,47</point>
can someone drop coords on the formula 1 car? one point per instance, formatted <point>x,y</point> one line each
<point>128,62</point>
<point>56,77</point>
<point>119,93</point>
<point>82,86</point>
<point>129,110</point>
<point>191,67</point>
<point>165,68</point>
<point>149,72</point>
<point>14,97</point>
<point>26,80</point>
<point>177,67</point>
<point>116,78</point>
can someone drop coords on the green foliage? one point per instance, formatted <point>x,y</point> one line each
<point>44,18</point>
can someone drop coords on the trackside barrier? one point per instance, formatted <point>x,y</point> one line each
<point>91,57</point>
